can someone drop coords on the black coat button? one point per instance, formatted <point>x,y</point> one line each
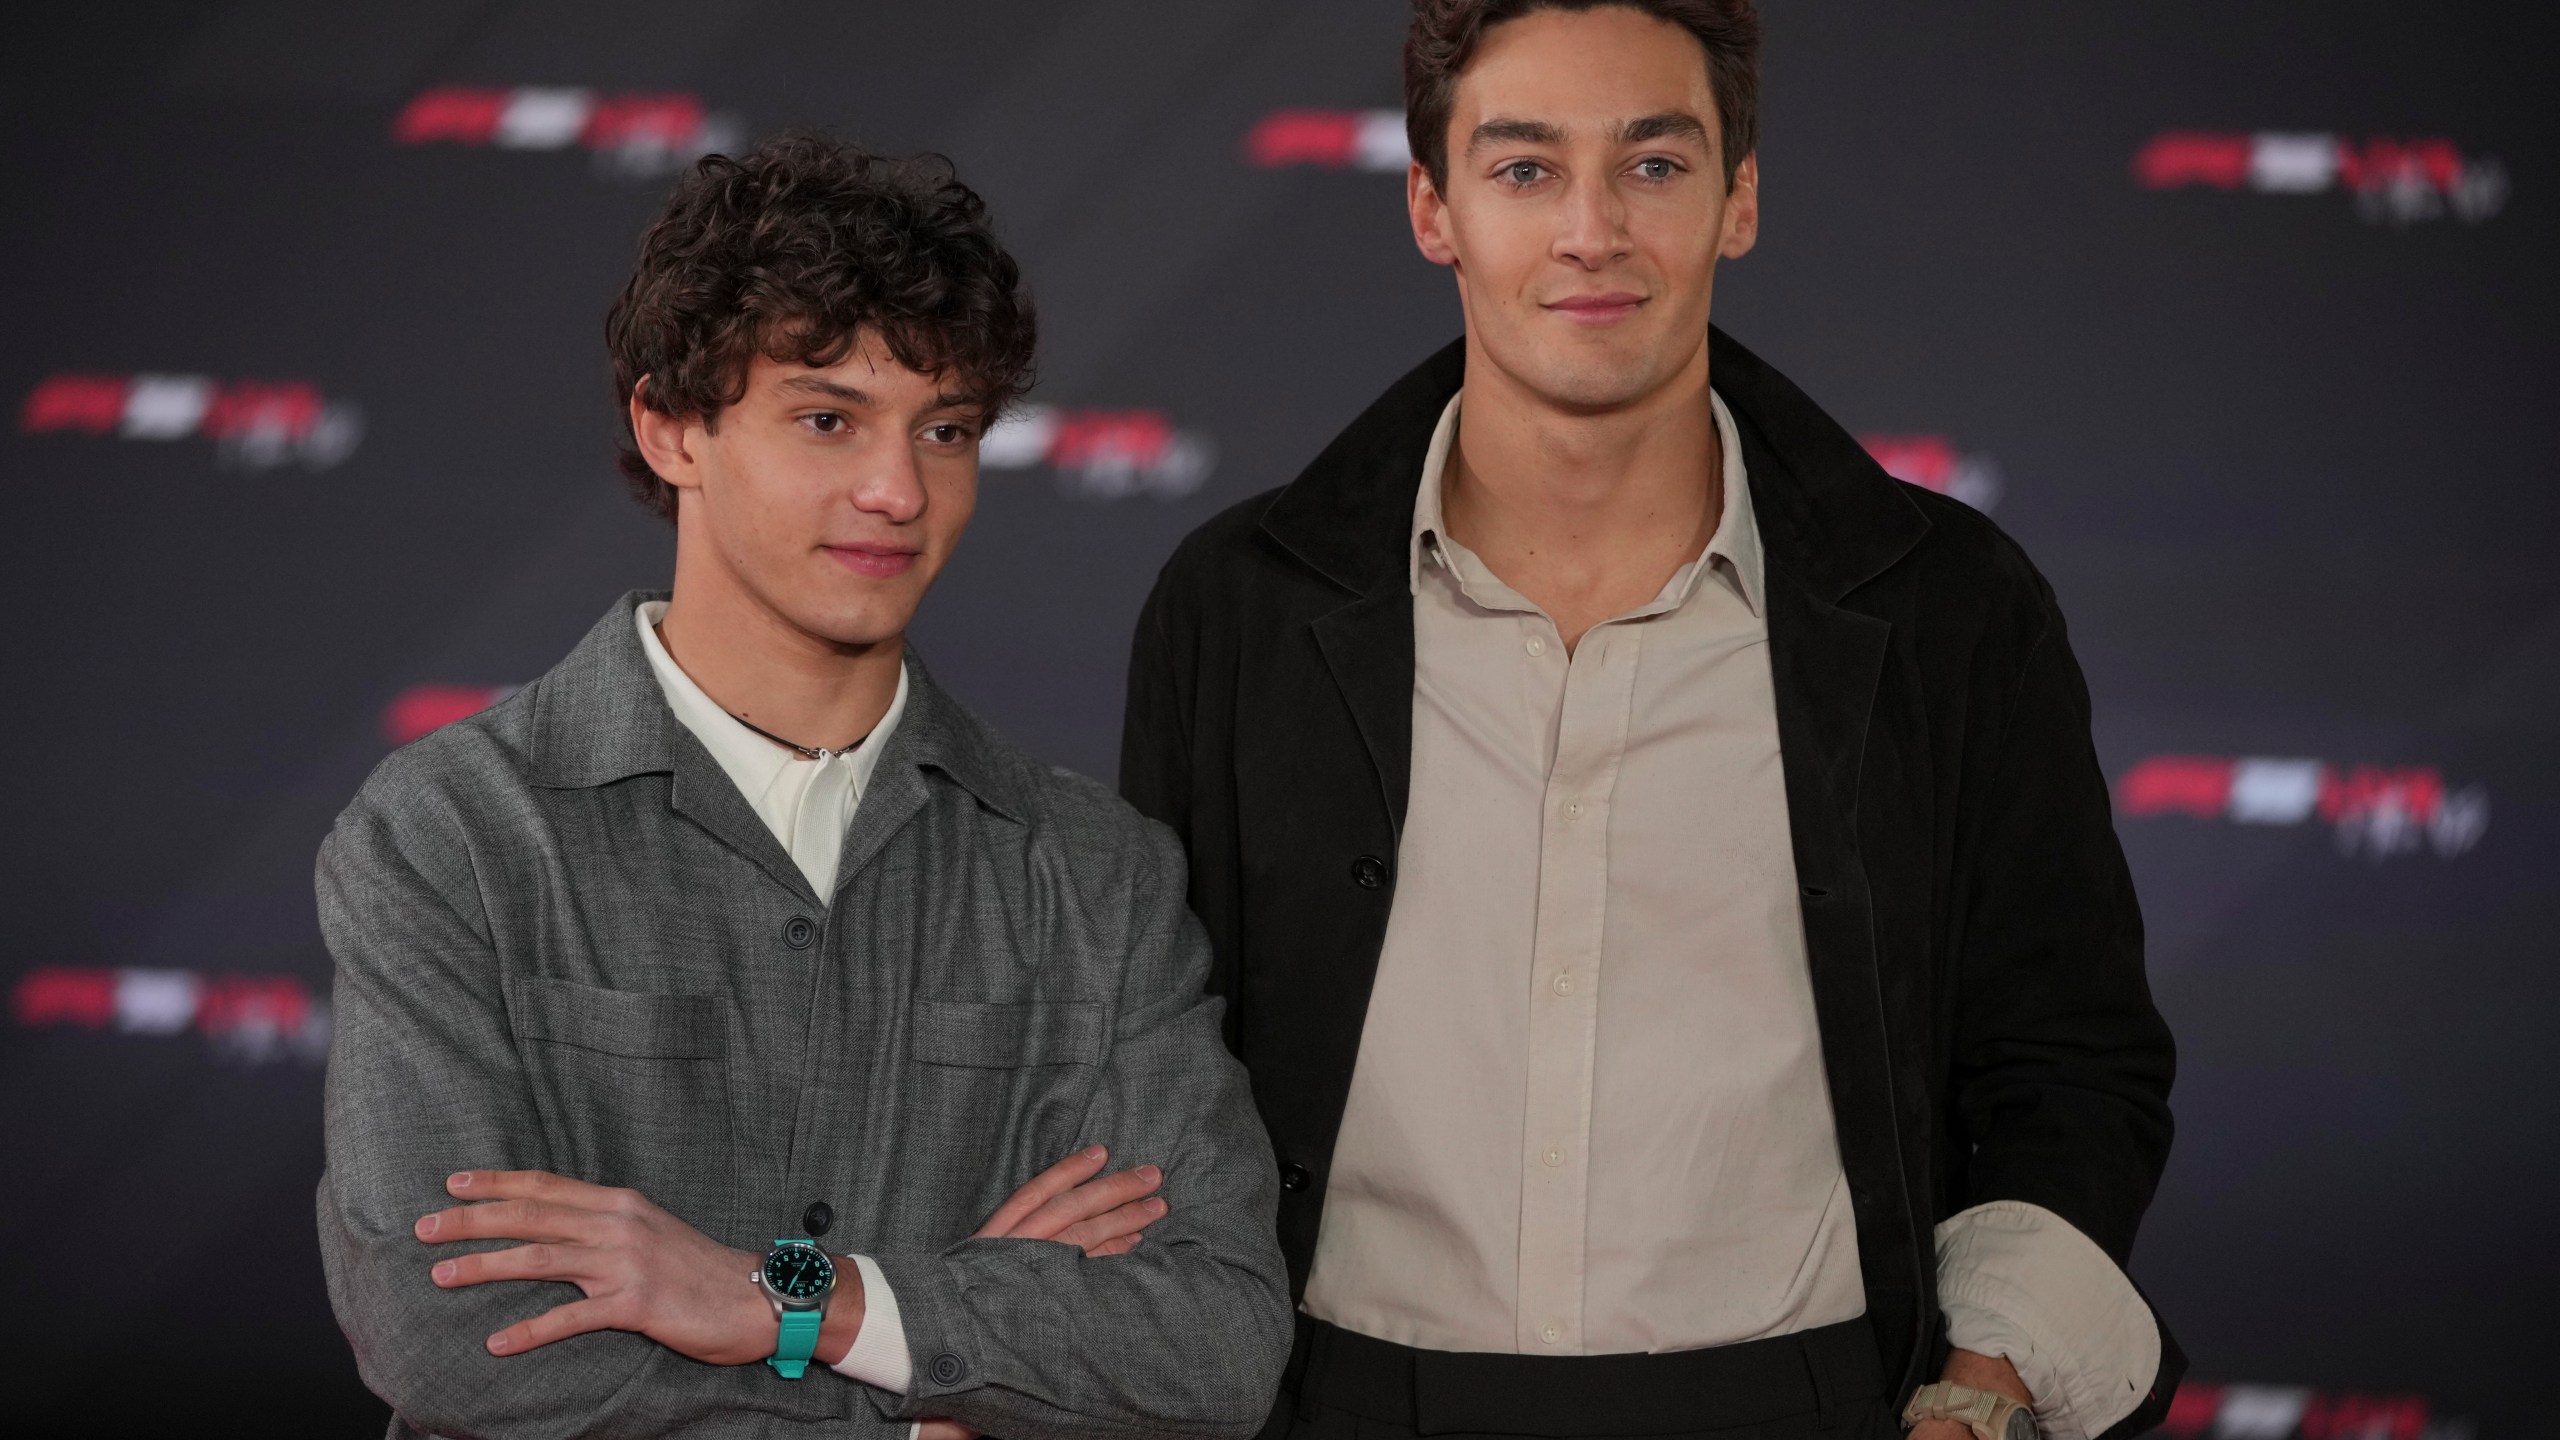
<point>1369,872</point>
<point>799,932</point>
<point>1294,1178</point>
<point>818,1218</point>
<point>948,1368</point>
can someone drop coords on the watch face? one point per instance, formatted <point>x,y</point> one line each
<point>2021,1426</point>
<point>801,1272</point>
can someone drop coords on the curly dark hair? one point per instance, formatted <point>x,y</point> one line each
<point>1445,33</point>
<point>791,251</point>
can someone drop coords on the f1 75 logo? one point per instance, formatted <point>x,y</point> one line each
<point>1329,139</point>
<point>252,1019</point>
<point>1102,454</point>
<point>2376,810</point>
<point>256,424</point>
<point>634,134</point>
<point>1932,462</point>
<point>2204,1411</point>
<point>2396,182</point>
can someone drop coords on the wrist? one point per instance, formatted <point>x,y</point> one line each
<point>845,1310</point>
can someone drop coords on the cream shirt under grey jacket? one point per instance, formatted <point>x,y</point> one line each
<point>565,942</point>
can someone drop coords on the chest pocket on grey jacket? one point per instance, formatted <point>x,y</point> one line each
<point>1008,1036</point>
<point>633,1089</point>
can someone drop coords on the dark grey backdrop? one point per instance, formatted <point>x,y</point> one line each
<point>2277,428</point>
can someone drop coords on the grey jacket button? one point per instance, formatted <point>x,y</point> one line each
<point>818,1218</point>
<point>798,933</point>
<point>948,1368</point>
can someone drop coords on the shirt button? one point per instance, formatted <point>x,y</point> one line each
<point>1551,1332</point>
<point>1564,983</point>
<point>1573,807</point>
<point>1553,1156</point>
<point>1536,645</point>
<point>798,932</point>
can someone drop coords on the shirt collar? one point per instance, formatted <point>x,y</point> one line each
<point>1736,540</point>
<point>749,759</point>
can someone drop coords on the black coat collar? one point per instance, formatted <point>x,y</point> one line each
<point>1829,515</point>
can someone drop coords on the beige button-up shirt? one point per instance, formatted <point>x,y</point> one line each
<point>1589,1113</point>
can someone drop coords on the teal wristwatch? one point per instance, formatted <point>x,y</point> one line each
<point>797,1277</point>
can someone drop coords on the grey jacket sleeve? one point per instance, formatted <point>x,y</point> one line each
<point>424,1079</point>
<point>1187,1334</point>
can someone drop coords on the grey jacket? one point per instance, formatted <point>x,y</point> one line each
<point>564,942</point>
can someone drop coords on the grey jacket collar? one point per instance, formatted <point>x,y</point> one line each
<point>599,717</point>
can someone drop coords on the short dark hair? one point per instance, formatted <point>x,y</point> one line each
<point>1445,33</point>
<point>791,251</point>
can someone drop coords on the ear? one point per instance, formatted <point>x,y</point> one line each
<point>661,438</point>
<point>1742,210</point>
<point>1430,216</point>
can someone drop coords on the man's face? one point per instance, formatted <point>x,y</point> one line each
<point>831,498</point>
<point>1586,205</point>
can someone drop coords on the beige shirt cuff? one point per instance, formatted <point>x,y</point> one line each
<point>2020,1282</point>
<point>879,1354</point>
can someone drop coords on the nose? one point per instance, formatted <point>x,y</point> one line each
<point>890,485</point>
<point>1592,224</point>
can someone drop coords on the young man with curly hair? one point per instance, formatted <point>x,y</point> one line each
<point>723,1000</point>
<point>1657,862</point>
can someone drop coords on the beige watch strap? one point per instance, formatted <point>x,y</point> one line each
<point>1985,1412</point>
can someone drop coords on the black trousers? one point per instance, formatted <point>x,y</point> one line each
<point>1825,1384</point>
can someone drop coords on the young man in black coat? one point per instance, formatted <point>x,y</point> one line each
<point>1656,862</point>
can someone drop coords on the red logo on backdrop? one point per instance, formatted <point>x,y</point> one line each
<point>637,134</point>
<point>1330,140</point>
<point>1932,462</point>
<point>255,424</point>
<point>2377,811</point>
<point>2298,1412</point>
<point>421,708</point>
<point>2397,182</point>
<point>253,1019</point>
<point>1102,454</point>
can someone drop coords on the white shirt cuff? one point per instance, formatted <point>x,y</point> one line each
<point>879,1354</point>
<point>2020,1282</point>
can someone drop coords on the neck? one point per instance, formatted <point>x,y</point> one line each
<point>759,666</point>
<point>1587,514</point>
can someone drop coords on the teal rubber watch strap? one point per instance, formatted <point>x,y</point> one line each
<point>799,1341</point>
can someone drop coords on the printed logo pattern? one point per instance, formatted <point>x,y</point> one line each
<point>2377,811</point>
<point>253,424</point>
<point>637,135</point>
<point>1102,454</point>
<point>2394,182</point>
<point>249,1019</point>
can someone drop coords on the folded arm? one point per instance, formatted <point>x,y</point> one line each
<point>1187,1333</point>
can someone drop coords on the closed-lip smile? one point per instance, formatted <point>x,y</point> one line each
<point>874,559</point>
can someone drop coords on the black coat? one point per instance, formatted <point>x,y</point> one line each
<point>1975,946</point>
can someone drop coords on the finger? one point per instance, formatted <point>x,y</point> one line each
<point>521,1262</point>
<point>1127,1220</point>
<point>527,1185</point>
<point>507,1220</point>
<point>1088,1200</point>
<point>944,1430</point>
<point>1121,1246</point>
<point>578,1317</point>
<point>1043,1187</point>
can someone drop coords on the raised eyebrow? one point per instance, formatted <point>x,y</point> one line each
<point>1514,132</point>
<point>828,388</point>
<point>1669,125</point>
